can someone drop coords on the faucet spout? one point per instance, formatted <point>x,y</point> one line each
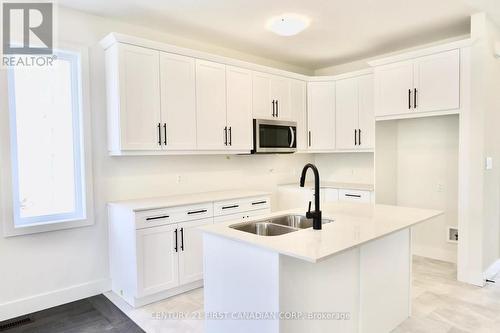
<point>316,214</point>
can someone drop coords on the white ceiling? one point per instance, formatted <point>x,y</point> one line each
<point>340,31</point>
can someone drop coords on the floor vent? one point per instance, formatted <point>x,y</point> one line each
<point>7,325</point>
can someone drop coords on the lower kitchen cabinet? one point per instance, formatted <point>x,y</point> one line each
<point>157,259</point>
<point>157,252</point>
<point>190,249</point>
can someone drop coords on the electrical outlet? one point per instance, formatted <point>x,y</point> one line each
<point>179,179</point>
<point>452,235</point>
<point>489,163</point>
<point>440,187</point>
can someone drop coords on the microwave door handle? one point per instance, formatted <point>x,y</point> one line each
<point>292,141</point>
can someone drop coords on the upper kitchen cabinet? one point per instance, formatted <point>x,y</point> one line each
<point>271,96</point>
<point>178,101</point>
<point>425,84</point>
<point>298,107</point>
<point>133,97</point>
<point>212,132</point>
<point>239,108</point>
<point>354,113</point>
<point>321,115</point>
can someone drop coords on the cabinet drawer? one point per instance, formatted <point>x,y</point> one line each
<point>240,205</point>
<point>354,195</point>
<point>241,217</point>
<point>157,217</point>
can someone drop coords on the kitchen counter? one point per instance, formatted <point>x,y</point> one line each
<point>137,205</point>
<point>356,271</point>
<point>337,185</point>
<point>354,224</point>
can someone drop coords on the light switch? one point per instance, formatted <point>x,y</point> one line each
<point>489,163</point>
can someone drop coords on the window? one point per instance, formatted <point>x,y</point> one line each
<point>48,164</point>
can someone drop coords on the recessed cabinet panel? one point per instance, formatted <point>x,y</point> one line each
<point>139,93</point>
<point>157,260</point>
<point>239,108</point>
<point>261,96</point>
<point>347,113</point>
<point>280,92</point>
<point>366,116</point>
<point>191,250</point>
<point>211,105</point>
<point>321,115</point>
<point>178,102</point>
<point>394,85</point>
<point>437,82</point>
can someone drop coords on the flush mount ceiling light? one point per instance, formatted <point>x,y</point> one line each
<point>287,24</point>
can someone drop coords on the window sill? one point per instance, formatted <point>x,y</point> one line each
<point>11,231</point>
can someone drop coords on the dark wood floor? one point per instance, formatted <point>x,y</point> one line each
<point>94,314</point>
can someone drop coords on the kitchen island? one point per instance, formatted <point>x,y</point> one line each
<point>354,275</point>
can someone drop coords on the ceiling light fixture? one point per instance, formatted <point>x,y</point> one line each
<point>287,24</point>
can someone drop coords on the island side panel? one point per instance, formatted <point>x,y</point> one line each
<point>239,278</point>
<point>385,285</point>
<point>329,286</point>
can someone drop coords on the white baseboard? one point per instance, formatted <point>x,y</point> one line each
<point>434,253</point>
<point>53,298</point>
<point>493,270</point>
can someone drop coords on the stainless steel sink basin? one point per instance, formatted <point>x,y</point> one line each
<point>295,221</point>
<point>277,225</point>
<point>263,228</point>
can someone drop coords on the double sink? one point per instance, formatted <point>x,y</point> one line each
<point>276,226</point>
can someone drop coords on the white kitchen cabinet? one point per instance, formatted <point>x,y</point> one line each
<point>239,108</point>
<point>366,112</point>
<point>354,113</point>
<point>425,84</point>
<point>393,88</point>
<point>157,252</point>
<point>329,195</point>
<point>321,115</point>
<point>191,250</point>
<point>133,94</point>
<point>211,105</point>
<point>178,102</point>
<point>157,259</point>
<point>280,92</point>
<point>271,97</point>
<point>298,107</point>
<point>437,82</point>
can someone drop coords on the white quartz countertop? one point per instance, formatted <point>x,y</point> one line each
<point>355,224</point>
<point>186,199</point>
<point>337,185</point>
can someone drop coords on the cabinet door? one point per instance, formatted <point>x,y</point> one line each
<point>394,89</point>
<point>321,115</point>
<point>139,81</point>
<point>437,80</point>
<point>210,105</point>
<point>191,250</point>
<point>365,112</point>
<point>157,260</point>
<point>298,107</point>
<point>329,195</point>
<point>178,102</point>
<point>261,96</point>
<point>280,92</point>
<point>346,109</point>
<point>239,108</point>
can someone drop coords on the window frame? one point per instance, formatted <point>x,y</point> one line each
<point>83,167</point>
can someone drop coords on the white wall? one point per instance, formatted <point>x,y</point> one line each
<point>46,269</point>
<point>427,173</point>
<point>417,166</point>
<point>346,167</point>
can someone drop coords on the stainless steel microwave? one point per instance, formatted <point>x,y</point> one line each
<point>274,136</point>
